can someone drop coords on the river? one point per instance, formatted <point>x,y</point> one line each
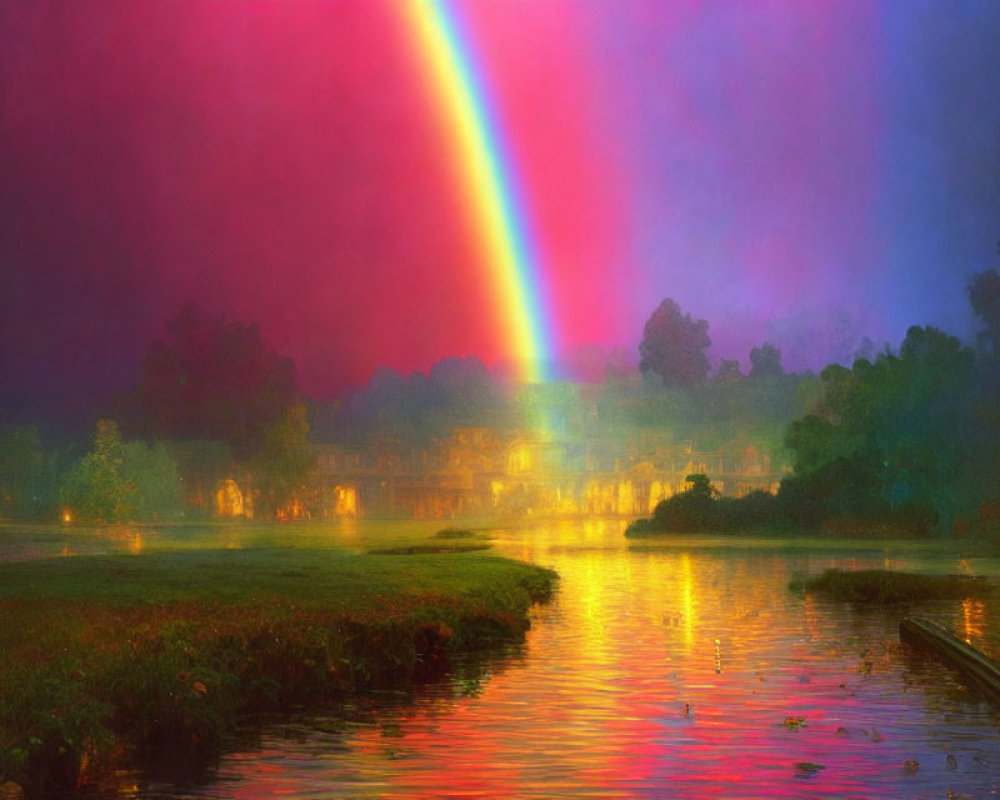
<point>676,669</point>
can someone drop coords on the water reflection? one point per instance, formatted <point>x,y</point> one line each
<point>973,619</point>
<point>682,672</point>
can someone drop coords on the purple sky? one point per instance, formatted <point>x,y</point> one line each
<point>807,173</point>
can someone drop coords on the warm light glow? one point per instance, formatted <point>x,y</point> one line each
<point>519,460</point>
<point>480,165</point>
<point>511,473</point>
<point>293,510</point>
<point>656,495</point>
<point>626,499</point>
<point>67,516</point>
<point>347,501</point>
<point>973,619</point>
<point>229,499</point>
<point>687,600</point>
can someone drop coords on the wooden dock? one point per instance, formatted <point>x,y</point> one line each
<point>979,670</point>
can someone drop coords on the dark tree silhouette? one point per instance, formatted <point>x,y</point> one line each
<point>213,379</point>
<point>894,436</point>
<point>765,361</point>
<point>984,296</point>
<point>673,346</point>
<point>21,469</point>
<point>729,371</point>
<point>420,407</point>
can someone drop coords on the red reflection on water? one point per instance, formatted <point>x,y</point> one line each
<point>675,674</point>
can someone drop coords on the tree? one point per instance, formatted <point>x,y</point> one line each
<point>462,391</point>
<point>157,483</point>
<point>692,510</point>
<point>765,361</point>
<point>984,296</point>
<point>213,379</point>
<point>285,460</point>
<point>418,407</point>
<point>893,437</point>
<point>729,372</point>
<point>673,346</point>
<point>99,490</point>
<point>21,468</point>
<point>701,487</point>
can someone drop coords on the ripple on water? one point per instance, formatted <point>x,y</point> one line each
<point>664,673</point>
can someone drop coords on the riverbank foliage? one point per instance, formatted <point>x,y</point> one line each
<point>877,587</point>
<point>152,659</point>
<point>900,444</point>
<point>701,509</point>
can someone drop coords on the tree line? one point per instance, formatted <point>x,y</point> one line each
<point>210,383</point>
<point>906,442</point>
<point>904,438</point>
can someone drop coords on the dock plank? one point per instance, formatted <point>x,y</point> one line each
<point>978,669</point>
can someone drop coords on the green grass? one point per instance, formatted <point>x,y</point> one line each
<point>326,578</point>
<point>130,659</point>
<point>345,534</point>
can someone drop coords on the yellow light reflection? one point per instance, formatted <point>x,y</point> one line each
<point>348,530</point>
<point>345,501</point>
<point>812,617</point>
<point>687,584</point>
<point>973,619</point>
<point>229,499</point>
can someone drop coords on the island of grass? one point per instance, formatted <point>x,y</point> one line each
<point>879,587</point>
<point>124,660</point>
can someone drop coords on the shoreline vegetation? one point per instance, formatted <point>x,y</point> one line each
<point>700,509</point>
<point>112,662</point>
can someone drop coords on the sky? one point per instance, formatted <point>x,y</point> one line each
<point>808,174</point>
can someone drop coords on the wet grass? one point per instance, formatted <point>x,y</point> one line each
<point>876,587</point>
<point>152,659</point>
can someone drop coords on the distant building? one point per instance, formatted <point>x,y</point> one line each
<point>481,472</point>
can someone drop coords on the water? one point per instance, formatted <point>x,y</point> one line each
<point>682,671</point>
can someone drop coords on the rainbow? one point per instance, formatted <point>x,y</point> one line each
<point>497,212</point>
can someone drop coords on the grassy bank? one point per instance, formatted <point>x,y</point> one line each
<point>139,659</point>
